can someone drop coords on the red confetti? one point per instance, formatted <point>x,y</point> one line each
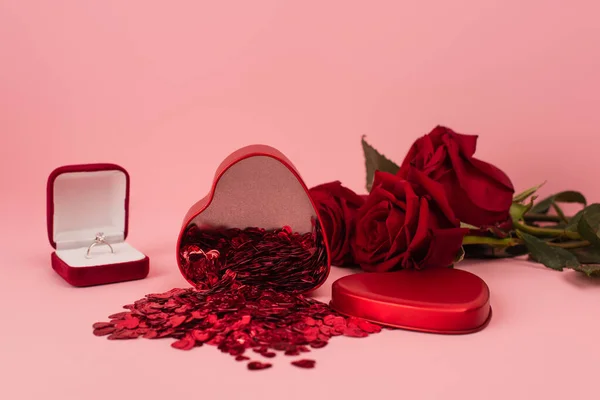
<point>185,343</point>
<point>246,298</point>
<point>118,315</point>
<point>355,332</point>
<point>128,323</point>
<point>255,256</point>
<point>177,320</point>
<point>368,326</point>
<point>151,334</point>
<point>123,334</point>
<point>201,336</point>
<point>317,344</point>
<point>304,363</point>
<point>100,325</point>
<point>104,331</point>
<point>257,365</point>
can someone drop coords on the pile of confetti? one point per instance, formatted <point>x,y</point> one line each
<point>234,309</point>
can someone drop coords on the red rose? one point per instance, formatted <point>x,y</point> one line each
<point>337,208</point>
<point>479,193</point>
<point>406,223</point>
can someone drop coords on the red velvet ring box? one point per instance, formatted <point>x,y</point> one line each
<point>84,200</point>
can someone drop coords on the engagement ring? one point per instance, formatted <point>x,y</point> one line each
<point>99,240</point>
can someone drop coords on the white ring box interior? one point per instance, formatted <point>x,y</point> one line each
<point>86,203</point>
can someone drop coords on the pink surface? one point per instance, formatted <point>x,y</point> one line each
<point>168,91</point>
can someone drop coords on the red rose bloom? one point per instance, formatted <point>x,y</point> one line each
<point>406,223</point>
<point>479,193</point>
<point>337,208</point>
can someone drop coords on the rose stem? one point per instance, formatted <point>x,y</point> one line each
<point>546,232</point>
<point>570,245</point>
<point>507,242</point>
<point>560,213</point>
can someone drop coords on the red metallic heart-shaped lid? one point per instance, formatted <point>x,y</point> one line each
<point>256,187</point>
<point>438,300</point>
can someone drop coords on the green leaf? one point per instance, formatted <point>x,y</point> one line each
<point>574,221</point>
<point>517,210</point>
<point>568,196</point>
<point>587,255</point>
<point>552,257</point>
<point>589,269</point>
<point>460,256</point>
<point>527,193</point>
<point>589,224</point>
<point>375,161</point>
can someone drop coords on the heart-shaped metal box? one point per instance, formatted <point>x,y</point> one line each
<point>437,300</point>
<point>257,187</point>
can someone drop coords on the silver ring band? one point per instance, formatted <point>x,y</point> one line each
<point>99,240</point>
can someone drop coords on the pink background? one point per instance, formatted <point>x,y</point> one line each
<point>168,91</point>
